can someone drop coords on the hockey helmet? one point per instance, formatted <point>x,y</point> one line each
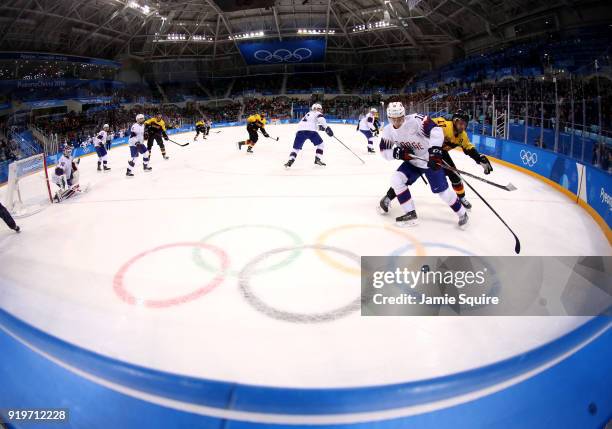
<point>317,107</point>
<point>140,118</point>
<point>105,127</point>
<point>461,115</point>
<point>396,110</point>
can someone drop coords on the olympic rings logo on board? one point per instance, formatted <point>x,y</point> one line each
<point>283,55</point>
<point>529,158</point>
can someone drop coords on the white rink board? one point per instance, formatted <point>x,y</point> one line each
<point>60,274</point>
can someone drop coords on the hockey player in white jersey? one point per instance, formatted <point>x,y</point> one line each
<point>100,147</point>
<point>308,129</point>
<point>368,127</point>
<point>137,146</point>
<point>66,175</point>
<point>406,138</point>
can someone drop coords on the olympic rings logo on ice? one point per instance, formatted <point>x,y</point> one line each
<point>283,55</point>
<point>217,262</point>
<point>529,158</point>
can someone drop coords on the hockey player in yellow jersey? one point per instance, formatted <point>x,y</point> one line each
<point>202,127</point>
<point>155,129</point>
<point>454,136</point>
<point>254,123</point>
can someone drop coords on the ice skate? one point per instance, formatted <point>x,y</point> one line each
<point>409,219</point>
<point>465,203</point>
<point>383,207</point>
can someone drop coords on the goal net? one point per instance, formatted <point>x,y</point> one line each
<point>28,190</point>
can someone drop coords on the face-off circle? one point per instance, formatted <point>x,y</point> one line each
<point>258,304</point>
<point>126,296</point>
<point>296,241</point>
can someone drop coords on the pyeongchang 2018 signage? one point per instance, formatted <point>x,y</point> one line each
<point>290,52</point>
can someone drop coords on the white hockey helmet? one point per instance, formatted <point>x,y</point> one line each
<point>316,106</point>
<point>140,117</point>
<point>105,127</point>
<point>396,110</point>
<point>373,110</point>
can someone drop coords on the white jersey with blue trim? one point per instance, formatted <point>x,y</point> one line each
<point>100,138</point>
<point>64,164</point>
<point>418,132</point>
<point>367,122</point>
<point>311,121</point>
<point>136,134</point>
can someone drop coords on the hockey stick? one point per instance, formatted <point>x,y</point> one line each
<point>517,243</point>
<point>347,148</point>
<point>509,187</point>
<point>179,144</point>
<point>273,138</point>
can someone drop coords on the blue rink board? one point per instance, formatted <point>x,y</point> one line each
<point>573,393</point>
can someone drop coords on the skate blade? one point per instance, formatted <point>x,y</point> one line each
<point>382,211</point>
<point>406,223</point>
<point>465,225</point>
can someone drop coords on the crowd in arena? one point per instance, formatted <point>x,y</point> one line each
<point>77,128</point>
<point>550,83</point>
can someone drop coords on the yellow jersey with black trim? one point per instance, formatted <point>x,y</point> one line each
<point>157,125</point>
<point>254,118</point>
<point>199,124</point>
<point>451,141</point>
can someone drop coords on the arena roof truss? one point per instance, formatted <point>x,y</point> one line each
<point>160,30</point>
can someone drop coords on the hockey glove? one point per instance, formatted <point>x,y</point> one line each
<point>402,153</point>
<point>329,132</point>
<point>165,136</point>
<point>321,128</point>
<point>385,144</point>
<point>485,164</point>
<point>265,133</point>
<point>435,158</point>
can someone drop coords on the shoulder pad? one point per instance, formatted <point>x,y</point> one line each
<point>427,126</point>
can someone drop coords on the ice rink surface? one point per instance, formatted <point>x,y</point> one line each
<point>134,268</point>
